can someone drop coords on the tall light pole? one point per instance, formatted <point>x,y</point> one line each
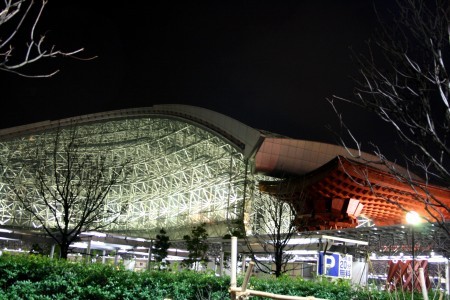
<point>412,218</point>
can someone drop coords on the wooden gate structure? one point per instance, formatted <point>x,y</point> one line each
<point>401,274</point>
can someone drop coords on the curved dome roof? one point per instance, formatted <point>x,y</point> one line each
<point>273,154</point>
<point>236,133</point>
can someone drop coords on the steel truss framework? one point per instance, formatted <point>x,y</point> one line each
<point>393,240</point>
<point>181,175</point>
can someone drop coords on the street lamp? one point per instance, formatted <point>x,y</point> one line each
<point>412,218</point>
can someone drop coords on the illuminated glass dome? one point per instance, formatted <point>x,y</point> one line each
<point>188,166</point>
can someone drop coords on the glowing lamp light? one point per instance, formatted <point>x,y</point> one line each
<point>412,218</point>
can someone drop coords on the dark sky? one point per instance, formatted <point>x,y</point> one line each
<point>268,64</point>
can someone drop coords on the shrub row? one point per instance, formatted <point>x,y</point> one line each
<point>39,278</point>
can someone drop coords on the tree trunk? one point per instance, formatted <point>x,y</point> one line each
<point>278,264</point>
<point>64,250</point>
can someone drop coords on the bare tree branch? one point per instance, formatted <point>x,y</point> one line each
<point>70,183</point>
<point>404,81</point>
<point>15,15</point>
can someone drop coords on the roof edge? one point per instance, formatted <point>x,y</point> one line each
<point>240,135</point>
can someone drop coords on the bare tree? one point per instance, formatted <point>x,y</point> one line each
<point>275,225</point>
<point>64,186</point>
<point>404,81</point>
<point>20,18</point>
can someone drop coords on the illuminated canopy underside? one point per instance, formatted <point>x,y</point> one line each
<point>342,191</point>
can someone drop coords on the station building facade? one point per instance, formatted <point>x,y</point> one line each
<point>189,165</point>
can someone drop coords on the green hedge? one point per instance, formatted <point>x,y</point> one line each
<point>37,277</point>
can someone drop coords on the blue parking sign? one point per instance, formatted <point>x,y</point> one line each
<point>335,265</point>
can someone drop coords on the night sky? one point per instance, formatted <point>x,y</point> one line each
<point>268,64</point>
